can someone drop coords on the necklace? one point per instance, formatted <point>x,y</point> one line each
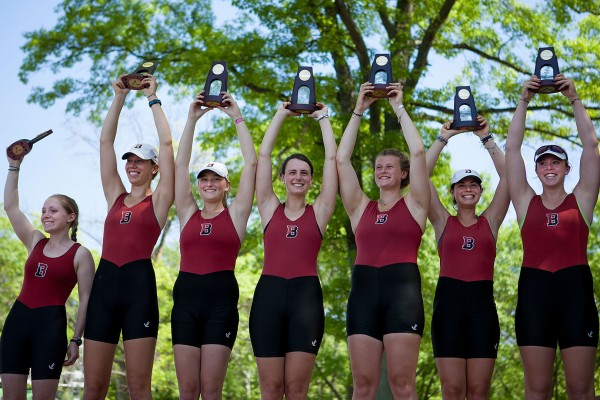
<point>389,202</point>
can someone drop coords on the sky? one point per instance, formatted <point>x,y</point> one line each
<point>67,161</point>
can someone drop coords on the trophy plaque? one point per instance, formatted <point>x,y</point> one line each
<point>216,82</point>
<point>20,148</point>
<point>465,112</point>
<point>381,75</point>
<point>303,96</point>
<point>546,68</point>
<point>134,80</point>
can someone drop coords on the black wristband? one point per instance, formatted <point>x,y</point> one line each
<point>76,340</point>
<point>485,139</point>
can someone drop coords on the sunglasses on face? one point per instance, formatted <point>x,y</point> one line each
<point>552,147</point>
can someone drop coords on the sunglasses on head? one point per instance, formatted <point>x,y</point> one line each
<point>552,147</point>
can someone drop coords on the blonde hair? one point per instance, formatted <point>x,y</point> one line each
<point>70,206</point>
<point>404,163</point>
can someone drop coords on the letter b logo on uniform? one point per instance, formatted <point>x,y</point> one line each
<point>292,231</point>
<point>468,243</point>
<point>125,217</point>
<point>206,229</point>
<point>381,219</point>
<point>41,270</point>
<point>552,219</point>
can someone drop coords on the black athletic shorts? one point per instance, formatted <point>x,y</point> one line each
<point>385,300</point>
<point>122,299</point>
<point>205,309</point>
<point>34,338</point>
<point>465,321</point>
<point>286,315</point>
<point>556,307</point>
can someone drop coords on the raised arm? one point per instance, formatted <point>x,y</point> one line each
<point>21,225</point>
<point>84,268</point>
<point>520,191</point>
<point>241,206</point>
<point>498,207</point>
<point>418,199</point>
<point>184,200</point>
<point>586,190</point>
<point>438,215</point>
<point>354,199</point>
<point>163,195</point>
<point>325,202</point>
<point>111,181</point>
<point>265,196</point>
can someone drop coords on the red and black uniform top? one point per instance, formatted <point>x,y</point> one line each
<point>387,237</point>
<point>467,253</point>
<point>292,247</point>
<point>209,245</point>
<point>48,281</point>
<point>554,239</point>
<point>130,233</point>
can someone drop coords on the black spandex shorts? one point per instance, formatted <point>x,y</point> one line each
<point>385,300</point>
<point>287,315</point>
<point>34,338</point>
<point>122,298</point>
<point>556,307</point>
<point>205,309</point>
<point>464,322</point>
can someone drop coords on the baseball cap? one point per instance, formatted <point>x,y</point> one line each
<point>143,151</point>
<point>464,173</point>
<point>553,149</point>
<point>216,167</point>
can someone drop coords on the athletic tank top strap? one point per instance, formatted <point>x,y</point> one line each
<point>130,233</point>
<point>387,237</point>
<point>554,239</point>
<point>48,281</point>
<point>209,245</point>
<point>292,247</point>
<point>467,253</point>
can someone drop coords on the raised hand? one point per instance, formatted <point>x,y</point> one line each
<point>119,86</point>
<point>321,111</point>
<point>232,109</point>
<point>197,107</point>
<point>364,100</point>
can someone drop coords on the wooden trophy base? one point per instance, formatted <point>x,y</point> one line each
<point>472,125</point>
<point>380,91</point>
<point>134,81</point>
<point>547,86</point>
<point>214,101</point>
<point>303,108</point>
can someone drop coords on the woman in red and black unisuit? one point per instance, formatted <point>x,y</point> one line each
<point>124,298</point>
<point>35,332</point>
<point>556,298</point>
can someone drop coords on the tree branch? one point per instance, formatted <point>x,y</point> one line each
<point>427,42</point>
<point>483,54</point>
<point>356,37</point>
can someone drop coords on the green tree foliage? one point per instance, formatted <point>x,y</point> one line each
<point>494,42</point>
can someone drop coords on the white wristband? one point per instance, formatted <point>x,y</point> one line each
<point>320,117</point>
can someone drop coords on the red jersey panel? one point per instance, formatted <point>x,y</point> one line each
<point>387,237</point>
<point>48,281</point>
<point>292,247</point>
<point>467,253</point>
<point>209,245</point>
<point>130,233</point>
<point>554,239</point>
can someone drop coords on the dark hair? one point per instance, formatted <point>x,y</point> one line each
<point>402,159</point>
<point>300,157</point>
<point>70,206</point>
